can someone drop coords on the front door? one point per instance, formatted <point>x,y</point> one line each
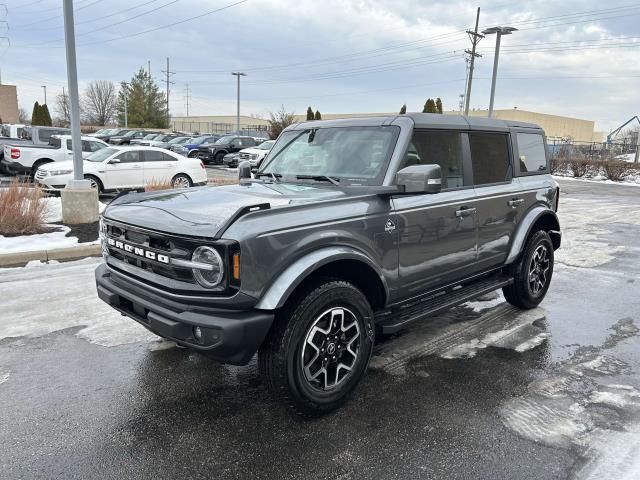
<point>127,172</point>
<point>437,232</point>
<point>498,195</point>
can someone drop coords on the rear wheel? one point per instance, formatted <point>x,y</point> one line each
<point>319,347</point>
<point>531,273</point>
<point>193,154</point>
<point>181,181</point>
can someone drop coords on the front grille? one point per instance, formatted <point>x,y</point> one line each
<point>40,174</point>
<point>248,156</point>
<point>134,261</point>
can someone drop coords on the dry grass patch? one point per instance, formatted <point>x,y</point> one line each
<point>223,181</point>
<point>22,211</point>
<point>155,185</point>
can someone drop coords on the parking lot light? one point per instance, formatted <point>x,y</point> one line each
<point>499,31</point>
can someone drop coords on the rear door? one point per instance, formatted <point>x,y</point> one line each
<point>437,242</point>
<point>159,167</point>
<point>128,172</point>
<point>498,195</point>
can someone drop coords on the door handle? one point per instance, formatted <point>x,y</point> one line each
<point>516,202</point>
<point>136,166</point>
<point>465,212</point>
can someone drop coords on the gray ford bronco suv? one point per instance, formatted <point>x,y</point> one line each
<point>349,228</point>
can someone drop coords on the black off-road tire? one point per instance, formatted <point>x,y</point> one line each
<point>193,154</point>
<point>218,159</point>
<point>281,356</point>
<point>521,293</point>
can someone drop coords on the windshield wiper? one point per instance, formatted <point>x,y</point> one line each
<point>274,176</point>
<point>326,178</point>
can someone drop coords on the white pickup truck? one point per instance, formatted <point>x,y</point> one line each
<point>26,159</point>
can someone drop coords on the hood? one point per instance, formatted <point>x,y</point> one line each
<point>203,211</point>
<point>66,165</point>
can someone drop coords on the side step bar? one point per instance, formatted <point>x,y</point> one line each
<point>390,321</point>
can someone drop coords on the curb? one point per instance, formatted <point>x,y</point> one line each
<point>19,259</point>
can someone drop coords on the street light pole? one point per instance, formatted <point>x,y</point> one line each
<point>126,101</point>
<point>499,31</point>
<point>45,93</point>
<point>238,74</point>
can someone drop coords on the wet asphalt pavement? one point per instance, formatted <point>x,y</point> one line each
<point>482,391</point>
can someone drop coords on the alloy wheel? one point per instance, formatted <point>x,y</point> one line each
<point>331,348</point>
<point>181,182</point>
<point>539,269</point>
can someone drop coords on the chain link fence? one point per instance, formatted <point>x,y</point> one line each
<point>594,151</point>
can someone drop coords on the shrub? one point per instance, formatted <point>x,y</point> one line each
<point>155,185</point>
<point>22,211</point>
<point>223,181</point>
<point>615,169</point>
<point>579,166</point>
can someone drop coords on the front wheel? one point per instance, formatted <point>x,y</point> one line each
<point>531,272</point>
<point>95,183</point>
<point>319,347</point>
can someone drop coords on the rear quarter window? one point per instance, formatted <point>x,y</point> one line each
<point>531,154</point>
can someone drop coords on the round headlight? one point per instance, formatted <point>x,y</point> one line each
<point>212,275</point>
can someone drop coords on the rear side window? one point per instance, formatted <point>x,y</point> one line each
<point>439,148</point>
<point>490,157</point>
<point>531,153</point>
<point>152,156</point>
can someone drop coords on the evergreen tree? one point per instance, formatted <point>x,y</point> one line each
<point>438,105</point>
<point>45,116</point>
<point>403,109</point>
<point>317,115</point>
<point>146,104</point>
<point>35,115</point>
<point>429,106</point>
<point>310,114</point>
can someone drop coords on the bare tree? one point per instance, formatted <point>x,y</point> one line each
<point>23,116</point>
<point>63,109</point>
<point>99,102</point>
<point>279,121</point>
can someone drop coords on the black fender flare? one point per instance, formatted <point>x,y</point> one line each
<point>285,283</point>
<point>541,215</point>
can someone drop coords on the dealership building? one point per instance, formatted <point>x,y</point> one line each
<point>555,126</point>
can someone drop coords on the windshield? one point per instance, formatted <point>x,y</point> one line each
<point>178,140</point>
<point>268,145</point>
<point>352,155</point>
<point>150,136</point>
<point>130,134</point>
<point>101,155</point>
<point>224,140</point>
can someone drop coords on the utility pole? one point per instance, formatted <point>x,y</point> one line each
<point>79,200</point>
<point>126,104</point>
<point>238,74</point>
<point>475,39</point>
<point>187,93</point>
<point>499,31</point>
<point>45,93</point>
<point>169,73</point>
<point>149,68</point>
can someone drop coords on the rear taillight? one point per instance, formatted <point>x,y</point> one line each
<point>15,153</point>
<point>202,165</point>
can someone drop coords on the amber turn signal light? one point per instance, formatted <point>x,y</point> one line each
<point>236,265</point>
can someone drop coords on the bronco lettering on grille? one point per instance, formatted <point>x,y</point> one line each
<point>138,251</point>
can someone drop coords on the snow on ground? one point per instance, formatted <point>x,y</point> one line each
<point>584,223</point>
<point>44,241</point>
<point>54,311</point>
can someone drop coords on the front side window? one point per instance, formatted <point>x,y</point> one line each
<point>438,148</point>
<point>353,155</point>
<point>95,146</point>
<point>490,157</point>
<point>129,157</point>
<point>531,153</point>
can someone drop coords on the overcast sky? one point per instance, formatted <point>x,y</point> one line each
<point>575,58</point>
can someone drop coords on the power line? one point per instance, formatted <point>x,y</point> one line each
<point>57,16</point>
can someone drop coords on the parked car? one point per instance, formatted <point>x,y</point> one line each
<point>100,131</point>
<point>158,140</point>
<point>255,155</point>
<point>215,152</point>
<point>341,233</point>
<point>148,136</point>
<point>26,159</point>
<point>114,132</point>
<point>42,135</point>
<point>115,169</point>
<point>190,149</point>
<point>12,130</point>
<point>128,137</point>
<point>231,159</point>
<point>172,141</point>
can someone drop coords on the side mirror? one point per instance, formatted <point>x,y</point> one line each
<point>244,171</point>
<point>420,179</point>
<point>114,160</point>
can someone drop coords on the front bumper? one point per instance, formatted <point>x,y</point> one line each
<point>229,336</point>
